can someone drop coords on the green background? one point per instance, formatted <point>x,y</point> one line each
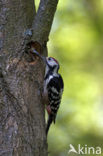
<point>76,41</point>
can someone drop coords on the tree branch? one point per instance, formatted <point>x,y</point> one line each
<point>43,20</point>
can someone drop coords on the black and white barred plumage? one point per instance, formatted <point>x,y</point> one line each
<point>53,87</point>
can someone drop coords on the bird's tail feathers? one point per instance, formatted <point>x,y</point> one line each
<point>49,122</point>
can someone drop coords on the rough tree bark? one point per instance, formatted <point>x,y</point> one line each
<point>22,117</point>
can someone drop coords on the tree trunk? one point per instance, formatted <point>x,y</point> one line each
<point>22,117</point>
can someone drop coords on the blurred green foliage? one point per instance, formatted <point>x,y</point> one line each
<point>76,40</point>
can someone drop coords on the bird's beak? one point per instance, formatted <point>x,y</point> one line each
<point>42,57</point>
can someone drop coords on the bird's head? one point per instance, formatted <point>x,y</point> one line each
<point>52,63</point>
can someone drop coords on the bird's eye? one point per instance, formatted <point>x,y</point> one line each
<point>49,59</point>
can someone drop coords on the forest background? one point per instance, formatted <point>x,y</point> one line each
<point>76,41</point>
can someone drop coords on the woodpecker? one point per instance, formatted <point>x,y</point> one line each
<point>53,88</point>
